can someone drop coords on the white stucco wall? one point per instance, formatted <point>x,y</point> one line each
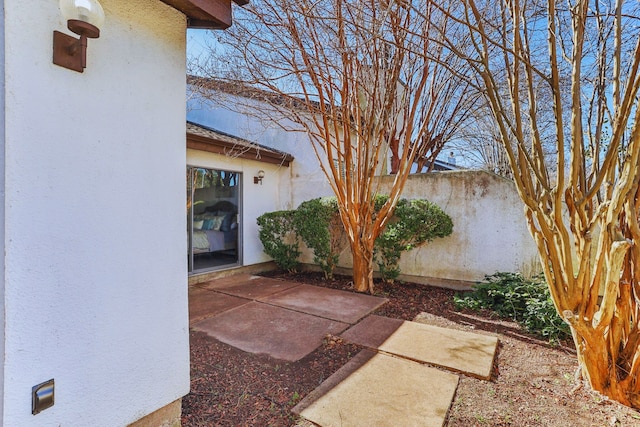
<point>95,281</point>
<point>2,215</point>
<point>489,228</point>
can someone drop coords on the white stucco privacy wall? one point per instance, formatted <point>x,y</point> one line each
<point>489,228</point>
<point>2,215</point>
<point>95,288</point>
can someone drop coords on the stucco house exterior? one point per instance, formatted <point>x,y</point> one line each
<point>94,273</point>
<point>490,232</point>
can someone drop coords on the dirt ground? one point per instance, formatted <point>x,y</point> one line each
<point>533,384</point>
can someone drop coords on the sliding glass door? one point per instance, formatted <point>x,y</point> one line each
<point>213,212</point>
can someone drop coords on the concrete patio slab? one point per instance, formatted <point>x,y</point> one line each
<point>343,306</point>
<point>381,390</point>
<point>261,328</point>
<point>248,286</point>
<point>461,351</point>
<point>257,288</point>
<point>204,303</point>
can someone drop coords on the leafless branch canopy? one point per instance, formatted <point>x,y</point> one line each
<point>364,79</point>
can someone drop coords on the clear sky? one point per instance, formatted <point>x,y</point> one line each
<point>197,42</point>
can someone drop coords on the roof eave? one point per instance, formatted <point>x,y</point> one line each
<point>216,146</point>
<point>206,14</point>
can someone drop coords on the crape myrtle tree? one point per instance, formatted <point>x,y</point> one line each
<point>363,79</point>
<point>582,204</point>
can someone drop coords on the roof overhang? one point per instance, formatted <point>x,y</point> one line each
<point>209,140</point>
<point>209,14</point>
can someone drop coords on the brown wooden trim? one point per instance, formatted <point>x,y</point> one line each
<point>197,142</point>
<point>215,14</point>
<point>204,25</point>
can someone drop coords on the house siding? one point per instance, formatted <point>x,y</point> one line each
<point>490,232</point>
<point>306,179</point>
<point>95,281</point>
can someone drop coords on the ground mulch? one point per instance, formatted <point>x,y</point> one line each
<point>533,383</point>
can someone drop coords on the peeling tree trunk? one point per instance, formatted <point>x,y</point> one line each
<point>362,266</point>
<point>555,74</point>
<point>395,158</point>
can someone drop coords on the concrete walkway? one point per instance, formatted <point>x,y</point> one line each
<point>406,376</point>
<point>281,319</point>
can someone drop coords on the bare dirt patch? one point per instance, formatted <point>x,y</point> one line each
<point>533,383</point>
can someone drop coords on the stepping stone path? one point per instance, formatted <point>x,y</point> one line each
<point>390,384</point>
<point>452,349</point>
<point>374,389</point>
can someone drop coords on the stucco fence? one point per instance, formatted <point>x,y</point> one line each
<point>489,231</point>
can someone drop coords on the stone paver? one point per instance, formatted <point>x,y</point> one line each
<point>261,328</point>
<point>450,348</point>
<point>256,288</point>
<point>247,285</point>
<point>204,303</point>
<point>381,390</point>
<point>373,331</point>
<point>343,306</point>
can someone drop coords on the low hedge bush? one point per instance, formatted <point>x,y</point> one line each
<point>526,301</point>
<point>414,223</point>
<point>318,224</point>
<point>279,238</point>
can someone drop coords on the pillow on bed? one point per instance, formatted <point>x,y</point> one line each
<point>197,225</point>
<point>218,222</point>
<point>213,223</point>
<point>227,221</point>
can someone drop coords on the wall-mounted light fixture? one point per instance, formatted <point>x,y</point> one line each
<point>258,178</point>
<point>84,17</point>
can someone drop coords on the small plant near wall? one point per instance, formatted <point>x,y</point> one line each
<point>279,238</point>
<point>414,223</point>
<point>526,301</point>
<point>320,228</point>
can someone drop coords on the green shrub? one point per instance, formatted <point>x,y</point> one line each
<point>526,301</point>
<point>415,222</point>
<point>318,224</point>
<point>378,201</point>
<point>279,238</point>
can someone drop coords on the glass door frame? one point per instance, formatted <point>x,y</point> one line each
<point>190,220</point>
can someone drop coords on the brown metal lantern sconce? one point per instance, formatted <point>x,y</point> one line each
<point>258,178</point>
<point>84,17</point>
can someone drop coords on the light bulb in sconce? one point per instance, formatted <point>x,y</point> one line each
<point>85,18</point>
<point>258,178</point>
<point>88,11</point>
